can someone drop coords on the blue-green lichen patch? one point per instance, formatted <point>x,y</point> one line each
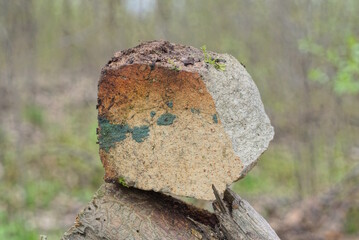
<point>112,133</point>
<point>170,104</point>
<point>215,118</point>
<point>166,119</point>
<point>140,133</point>
<point>152,114</point>
<point>195,110</point>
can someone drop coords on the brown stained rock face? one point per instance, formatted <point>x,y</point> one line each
<point>159,128</point>
<point>138,90</point>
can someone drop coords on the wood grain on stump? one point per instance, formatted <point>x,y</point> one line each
<point>119,213</point>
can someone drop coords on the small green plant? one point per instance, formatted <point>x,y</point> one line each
<point>121,180</point>
<point>215,62</point>
<point>34,114</point>
<point>351,224</point>
<point>174,67</point>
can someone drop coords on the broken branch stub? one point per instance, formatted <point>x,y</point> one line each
<point>170,122</point>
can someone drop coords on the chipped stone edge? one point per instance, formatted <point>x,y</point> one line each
<point>225,93</point>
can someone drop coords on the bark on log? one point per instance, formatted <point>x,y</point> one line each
<point>239,220</point>
<point>117,212</point>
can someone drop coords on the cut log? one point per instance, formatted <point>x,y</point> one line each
<point>117,213</point>
<point>172,120</point>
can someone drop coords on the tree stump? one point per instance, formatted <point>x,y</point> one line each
<point>117,212</point>
<point>175,120</point>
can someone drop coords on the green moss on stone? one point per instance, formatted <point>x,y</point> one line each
<point>166,119</point>
<point>140,133</point>
<point>122,181</point>
<point>153,113</point>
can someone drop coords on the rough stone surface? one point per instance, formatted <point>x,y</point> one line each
<point>172,123</point>
<point>240,109</point>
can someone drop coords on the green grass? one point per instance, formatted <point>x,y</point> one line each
<point>351,224</point>
<point>267,177</point>
<point>40,193</point>
<point>64,161</point>
<point>34,114</point>
<point>16,229</point>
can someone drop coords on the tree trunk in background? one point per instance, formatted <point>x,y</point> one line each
<point>30,32</point>
<point>117,212</point>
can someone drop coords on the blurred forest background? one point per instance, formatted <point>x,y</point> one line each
<point>303,56</point>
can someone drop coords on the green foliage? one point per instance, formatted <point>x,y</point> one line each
<point>174,66</point>
<point>64,166</point>
<point>317,75</point>
<point>34,115</point>
<point>122,181</point>
<point>344,60</point>
<point>351,224</point>
<point>39,194</point>
<point>16,229</point>
<point>267,177</point>
<point>214,62</point>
